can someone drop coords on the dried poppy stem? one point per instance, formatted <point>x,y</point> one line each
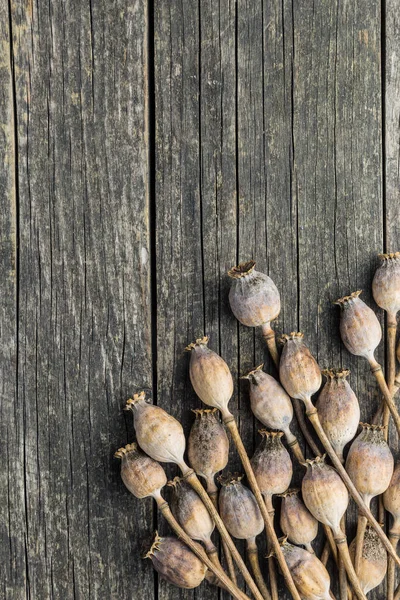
<point>391,328</point>
<point>391,500</point>
<point>252,555</point>
<point>145,477</point>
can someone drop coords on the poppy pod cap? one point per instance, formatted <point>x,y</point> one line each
<point>359,327</point>
<point>324,493</point>
<point>338,409</point>
<point>370,462</point>
<point>189,510</point>
<point>373,564</point>
<point>178,565</point>
<point>272,464</point>
<point>142,475</point>
<point>239,509</point>
<point>386,283</point>
<point>391,499</point>
<point>208,444</point>
<point>309,574</point>
<point>210,375</point>
<point>158,433</point>
<point>254,297</point>
<point>299,372</point>
<point>296,522</point>
<point>269,401</point>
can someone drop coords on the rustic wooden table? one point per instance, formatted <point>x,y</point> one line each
<point>145,149</point>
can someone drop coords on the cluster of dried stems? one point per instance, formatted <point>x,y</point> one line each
<point>244,511</point>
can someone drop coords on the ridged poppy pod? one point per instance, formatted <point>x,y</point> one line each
<point>324,493</point>
<point>326,497</point>
<point>299,372</point>
<point>208,446</point>
<point>173,560</point>
<point>370,462</point>
<point>142,475</point>
<point>373,565</point>
<point>158,433</point>
<point>241,514</point>
<point>386,283</point>
<point>272,465</point>
<point>254,297</point>
<point>296,521</point>
<point>338,409</point>
<point>391,502</point>
<point>210,376</point>
<point>309,574</point>
<point>190,512</point>
<point>359,327</point>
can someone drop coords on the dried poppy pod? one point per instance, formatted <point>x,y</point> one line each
<point>272,406</point>
<point>161,436</point>
<point>254,298</point>
<point>309,574</point>
<point>391,501</point>
<point>370,466</point>
<point>208,446</point>
<point>299,372</point>
<point>361,334</point>
<point>297,523</point>
<point>210,375</point>
<point>386,284</point>
<point>241,514</point>
<point>273,471</point>
<point>373,563</point>
<point>144,477</point>
<point>338,409</point>
<point>191,514</point>
<point>326,497</point>
<point>173,560</point>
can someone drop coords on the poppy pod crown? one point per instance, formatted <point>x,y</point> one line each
<point>254,298</point>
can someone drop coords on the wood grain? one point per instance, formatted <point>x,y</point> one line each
<point>84,339</point>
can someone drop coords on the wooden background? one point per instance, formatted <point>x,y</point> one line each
<point>145,149</point>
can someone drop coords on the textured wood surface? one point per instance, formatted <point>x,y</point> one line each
<point>146,149</point>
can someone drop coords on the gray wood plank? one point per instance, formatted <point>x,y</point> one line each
<point>337,176</point>
<point>12,492</point>
<point>84,292</point>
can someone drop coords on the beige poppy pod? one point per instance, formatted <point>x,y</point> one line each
<point>208,446</point>
<point>338,409</point>
<point>324,493</point>
<point>373,564</point>
<point>239,509</point>
<point>370,462</point>
<point>175,563</point>
<point>190,512</point>
<point>391,500</point>
<point>359,327</point>
<point>309,574</point>
<point>272,465</point>
<point>269,401</point>
<point>299,372</point>
<point>254,297</point>
<point>142,475</point>
<point>210,375</point>
<point>296,522</point>
<point>159,434</point>
<point>386,283</point>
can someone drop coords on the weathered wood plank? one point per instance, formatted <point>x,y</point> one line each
<point>337,176</point>
<point>12,494</point>
<point>84,291</point>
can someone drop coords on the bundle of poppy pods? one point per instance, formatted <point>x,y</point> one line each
<point>244,511</point>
